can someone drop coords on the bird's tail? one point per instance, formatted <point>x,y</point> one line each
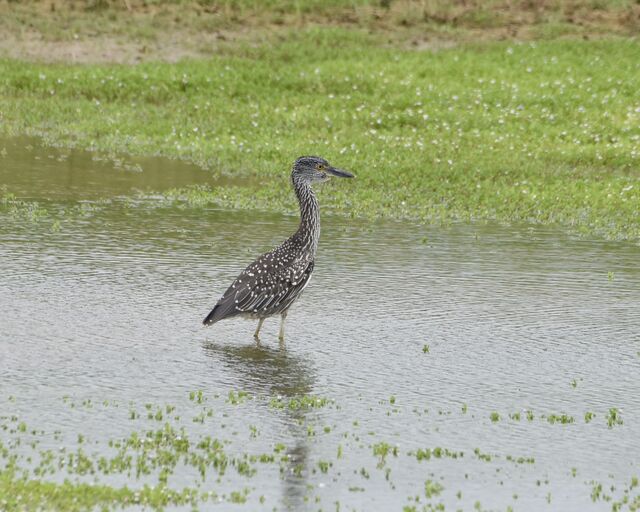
<point>211,317</point>
<point>225,308</point>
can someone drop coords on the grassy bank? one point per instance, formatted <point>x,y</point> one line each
<point>130,30</point>
<point>538,132</point>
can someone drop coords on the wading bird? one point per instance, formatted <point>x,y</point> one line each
<point>276,279</point>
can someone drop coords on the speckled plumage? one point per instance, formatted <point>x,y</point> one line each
<point>271,284</point>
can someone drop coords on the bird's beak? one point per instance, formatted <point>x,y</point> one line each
<point>339,173</point>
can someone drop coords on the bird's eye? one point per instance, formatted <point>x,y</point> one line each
<point>321,167</point>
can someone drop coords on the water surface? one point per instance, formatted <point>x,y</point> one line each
<point>415,335</point>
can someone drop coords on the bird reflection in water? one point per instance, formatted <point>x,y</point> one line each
<point>269,372</point>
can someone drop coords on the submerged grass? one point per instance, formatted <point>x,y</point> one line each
<point>158,463</point>
<point>20,493</point>
<point>544,132</point>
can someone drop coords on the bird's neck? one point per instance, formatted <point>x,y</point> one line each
<point>309,229</point>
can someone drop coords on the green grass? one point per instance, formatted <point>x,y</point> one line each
<point>545,132</point>
<point>21,493</point>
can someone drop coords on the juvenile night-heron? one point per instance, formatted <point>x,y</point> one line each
<point>276,279</point>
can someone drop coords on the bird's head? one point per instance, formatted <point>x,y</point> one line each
<point>312,169</point>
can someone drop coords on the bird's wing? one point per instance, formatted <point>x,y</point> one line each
<point>297,282</point>
<point>263,288</point>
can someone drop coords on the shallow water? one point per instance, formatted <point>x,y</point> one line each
<point>106,307</point>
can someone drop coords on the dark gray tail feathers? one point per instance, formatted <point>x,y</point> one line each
<point>211,317</point>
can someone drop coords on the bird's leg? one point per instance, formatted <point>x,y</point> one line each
<point>256,334</point>
<point>283,316</point>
